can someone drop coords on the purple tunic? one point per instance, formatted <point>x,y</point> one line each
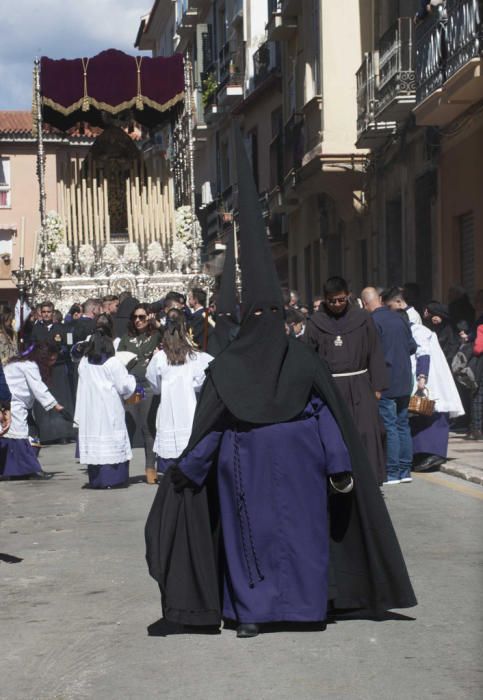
<point>107,476</point>
<point>20,458</point>
<point>430,434</point>
<point>274,512</point>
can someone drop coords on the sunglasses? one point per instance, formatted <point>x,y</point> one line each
<point>140,317</point>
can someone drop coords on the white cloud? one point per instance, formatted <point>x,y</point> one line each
<point>60,29</point>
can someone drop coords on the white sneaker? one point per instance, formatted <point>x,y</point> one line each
<point>391,481</point>
<point>406,480</point>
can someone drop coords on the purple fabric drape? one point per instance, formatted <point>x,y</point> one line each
<point>113,82</point>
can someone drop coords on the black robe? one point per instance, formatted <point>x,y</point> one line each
<point>182,545</point>
<point>53,426</point>
<point>350,343</point>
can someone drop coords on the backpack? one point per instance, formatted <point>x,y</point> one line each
<point>462,371</point>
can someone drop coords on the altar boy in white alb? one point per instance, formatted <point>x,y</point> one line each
<point>103,438</point>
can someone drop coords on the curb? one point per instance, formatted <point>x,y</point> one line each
<point>463,472</point>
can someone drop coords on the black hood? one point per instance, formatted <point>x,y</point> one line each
<point>262,376</point>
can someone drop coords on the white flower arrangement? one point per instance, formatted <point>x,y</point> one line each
<point>110,256</point>
<point>61,256</point>
<point>179,254</point>
<point>54,231</point>
<point>184,225</point>
<point>87,255</point>
<point>131,253</point>
<point>155,252</point>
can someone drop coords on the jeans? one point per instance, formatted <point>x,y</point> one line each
<point>399,447</point>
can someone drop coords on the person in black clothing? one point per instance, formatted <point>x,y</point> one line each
<point>142,339</point>
<point>438,320</point>
<point>199,323</point>
<point>84,326</point>
<point>53,427</point>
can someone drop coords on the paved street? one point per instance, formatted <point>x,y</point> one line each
<point>75,608</point>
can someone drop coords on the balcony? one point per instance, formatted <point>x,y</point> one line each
<point>449,63</point>
<point>279,27</point>
<point>266,62</point>
<point>396,88</point>
<point>313,130</point>
<point>186,17</point>
<point>371,132</point>
<point>231,76</point>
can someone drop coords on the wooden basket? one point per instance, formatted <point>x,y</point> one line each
<point>421,405</point>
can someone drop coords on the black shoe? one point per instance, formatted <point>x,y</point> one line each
<point>246,630</point>
<point>430,462</point>
<point>41,475</point>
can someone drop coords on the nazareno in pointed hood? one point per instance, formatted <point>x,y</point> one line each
<point>227,321</point>
<point>262,376</point>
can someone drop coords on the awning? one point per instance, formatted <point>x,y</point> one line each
<point>113,83</point>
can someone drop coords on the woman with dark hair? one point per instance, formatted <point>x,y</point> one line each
<point>142,339</point>
<point>176,372</point>
<point>103,384</point>
<point>26,376</point>
<point>8,340</point>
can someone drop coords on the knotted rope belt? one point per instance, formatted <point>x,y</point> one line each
<point>351,374</point>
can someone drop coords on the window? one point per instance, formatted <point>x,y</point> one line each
<point>4,182</point>
<point>253,155</point>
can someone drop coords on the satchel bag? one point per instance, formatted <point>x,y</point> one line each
<point>421,405</point>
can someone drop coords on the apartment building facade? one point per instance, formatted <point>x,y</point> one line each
<point>286,72</point>
<point>420,112</point>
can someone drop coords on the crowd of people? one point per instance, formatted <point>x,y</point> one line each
<point>381,348</point>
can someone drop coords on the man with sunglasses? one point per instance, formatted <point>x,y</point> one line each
<point>346,338</point>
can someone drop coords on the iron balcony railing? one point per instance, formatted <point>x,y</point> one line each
<point>445,42</point>
<point>397,65</point>
<point>266,61</point>
<point>464,34</point>
<point>366,93</point>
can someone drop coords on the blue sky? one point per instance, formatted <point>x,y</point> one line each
<point>59,29</point>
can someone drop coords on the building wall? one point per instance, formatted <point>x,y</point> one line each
<point>460,193</point>
<point>25,200</point>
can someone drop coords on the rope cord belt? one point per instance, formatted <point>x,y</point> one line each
<point>351,374</point>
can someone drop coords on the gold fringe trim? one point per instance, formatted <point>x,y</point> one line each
<point>112,109</point>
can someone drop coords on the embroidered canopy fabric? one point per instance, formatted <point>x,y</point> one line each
<point>86,89</point>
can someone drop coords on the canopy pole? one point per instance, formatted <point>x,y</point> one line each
<point>42,248</point>
<point>195,233</point>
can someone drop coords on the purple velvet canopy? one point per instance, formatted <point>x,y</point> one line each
<point>86,89</point>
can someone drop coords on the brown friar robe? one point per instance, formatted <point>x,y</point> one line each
<point>350,343</point>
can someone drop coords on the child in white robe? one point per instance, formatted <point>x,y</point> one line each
<point>26,375</point>
<point>103,438</point>
<point>176,372</point>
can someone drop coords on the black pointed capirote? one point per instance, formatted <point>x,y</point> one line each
<point>260,283</point>
<point>226,299</point>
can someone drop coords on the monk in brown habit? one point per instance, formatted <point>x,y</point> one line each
<point>346,338</point>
